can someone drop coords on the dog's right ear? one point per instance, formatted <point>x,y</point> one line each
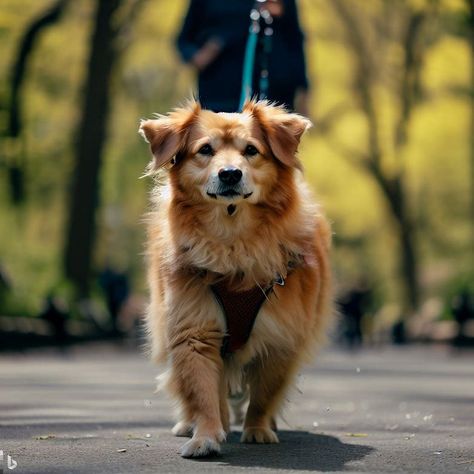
<point>167,134</point>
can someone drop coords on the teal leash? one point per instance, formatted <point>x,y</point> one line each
<point>249,58</point>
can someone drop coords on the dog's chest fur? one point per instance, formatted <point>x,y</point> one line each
<point>236,247</point>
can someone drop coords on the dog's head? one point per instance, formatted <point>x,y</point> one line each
<point>225,157</point>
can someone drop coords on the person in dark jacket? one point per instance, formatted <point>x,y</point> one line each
<point>213,39</point>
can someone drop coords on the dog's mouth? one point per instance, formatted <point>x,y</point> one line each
<point>229,194</point>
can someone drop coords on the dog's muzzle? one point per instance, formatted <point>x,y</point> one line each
<point>229,183</point>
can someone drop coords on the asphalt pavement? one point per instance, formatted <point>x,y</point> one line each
<point>92,409</point>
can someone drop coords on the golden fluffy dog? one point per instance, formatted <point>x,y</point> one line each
<point>238,266</point>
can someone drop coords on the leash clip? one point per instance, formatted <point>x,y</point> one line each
<point>279,280</point>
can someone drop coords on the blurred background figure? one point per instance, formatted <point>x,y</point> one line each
<point>462,309</point>
<point>5,285</point>
<point>116,289</point>
<point>56,316</point>
<point>355,305</point>
<point>214,37</point>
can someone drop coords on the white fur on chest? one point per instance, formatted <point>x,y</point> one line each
<point>231,245</point>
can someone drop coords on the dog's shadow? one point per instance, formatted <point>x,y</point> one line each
<point>297,450</point>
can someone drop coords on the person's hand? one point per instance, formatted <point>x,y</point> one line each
<point>207,54</point>
<point>274,7</point>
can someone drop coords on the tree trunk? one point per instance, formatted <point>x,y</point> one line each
<point>396,199</point>
<point>80,233</point>
<point>409,268</point>
<point>408,259</point>
<point>471,130</point>
<point>16,171</point>
<point>25,49</point>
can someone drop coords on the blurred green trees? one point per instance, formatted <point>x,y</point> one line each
<point>389,156</point>
<point>84,198</point>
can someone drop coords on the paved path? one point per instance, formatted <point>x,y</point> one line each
<point>93,410</point>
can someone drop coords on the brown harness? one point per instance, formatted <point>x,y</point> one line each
<point>240,309</point>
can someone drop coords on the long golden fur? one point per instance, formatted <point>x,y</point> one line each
<point>195,238</point>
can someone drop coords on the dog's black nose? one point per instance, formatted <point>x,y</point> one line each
<point>230,175</point>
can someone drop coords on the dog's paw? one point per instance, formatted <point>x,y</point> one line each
<point>202,446</point>
<point>183,429</point>
<point>259,435</point>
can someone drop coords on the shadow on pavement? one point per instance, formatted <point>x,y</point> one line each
<point>298,450</point>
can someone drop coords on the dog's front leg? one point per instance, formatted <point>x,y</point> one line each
<point>268,380</point>
<point>197,369</point>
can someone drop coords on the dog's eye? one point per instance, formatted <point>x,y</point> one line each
<point>250,150</point>
<point>206,150</point>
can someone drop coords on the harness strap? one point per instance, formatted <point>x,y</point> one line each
<point>240,309</point>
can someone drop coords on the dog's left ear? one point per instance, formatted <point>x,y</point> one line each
<point>283,130</point>
<point>168,133</point>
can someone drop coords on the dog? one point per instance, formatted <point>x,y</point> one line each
<point>238,266</point>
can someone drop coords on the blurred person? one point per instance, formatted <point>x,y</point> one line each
<point>213,39</point>
<point>356,304</point>
<point>56,316</point>
<point>116,287</point>
<point>462,308</point>
<point>5,285</point>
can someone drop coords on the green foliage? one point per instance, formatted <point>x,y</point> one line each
<point>150,78</point>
